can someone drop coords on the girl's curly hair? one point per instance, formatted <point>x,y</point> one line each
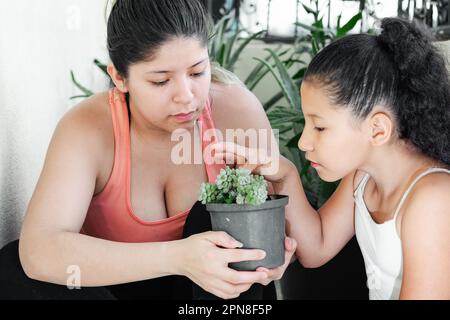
<point>400,69</point>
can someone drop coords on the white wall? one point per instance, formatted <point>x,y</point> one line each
<point>444,47</point>
<point>40,42</point>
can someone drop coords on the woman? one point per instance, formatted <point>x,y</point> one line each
<point>110,202</point>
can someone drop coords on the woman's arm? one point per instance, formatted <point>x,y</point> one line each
<point>425,239</point>
<point>50,241</point>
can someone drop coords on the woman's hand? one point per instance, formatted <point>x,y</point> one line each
<point>290,246</point>
<point>274,168</point>
<point>205,259</point>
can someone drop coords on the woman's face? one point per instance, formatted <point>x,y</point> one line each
<point>332,138</point>
<point>170,91</point>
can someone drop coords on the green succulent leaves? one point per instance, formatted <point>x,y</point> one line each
<point>235,186</point>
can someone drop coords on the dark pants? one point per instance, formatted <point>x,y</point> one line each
<point>14,283</point>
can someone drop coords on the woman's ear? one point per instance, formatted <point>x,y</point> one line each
<point>381,126</point>
<point>117,78</point>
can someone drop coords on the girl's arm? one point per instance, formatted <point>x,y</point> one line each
<point>425,239</point>
<point>50,243</point>
<point>320,234</point>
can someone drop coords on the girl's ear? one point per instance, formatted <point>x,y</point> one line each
<point>381,128</point>
<point>117,78</point>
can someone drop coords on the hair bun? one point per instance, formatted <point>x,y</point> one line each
<point>408,43</point>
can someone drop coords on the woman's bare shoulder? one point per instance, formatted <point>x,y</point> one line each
<point>232,97</point>
<point>91,117</point>
<point>234,106</point>
<point>87,129</point>
<point>85,134</point>
<point>92,110</point>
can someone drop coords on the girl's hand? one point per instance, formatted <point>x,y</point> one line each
<point>275,274</point>
<point>273,168</point>
<point>205,259</point>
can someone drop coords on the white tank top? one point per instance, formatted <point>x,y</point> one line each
<point>381,246</point>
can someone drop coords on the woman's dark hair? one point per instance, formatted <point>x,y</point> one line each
<point>138,28</point>
<point>400,69</point>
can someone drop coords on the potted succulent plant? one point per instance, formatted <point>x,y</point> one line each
<point>239,204</point>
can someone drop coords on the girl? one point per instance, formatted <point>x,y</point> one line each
<point>110,205</point>
<point>377,116</point>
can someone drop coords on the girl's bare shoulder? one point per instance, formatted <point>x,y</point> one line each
<point>431,191</point>
<point>358,175</point>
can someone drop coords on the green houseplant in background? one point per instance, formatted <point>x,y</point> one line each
<point>86,92</point>
<point>287,67</point>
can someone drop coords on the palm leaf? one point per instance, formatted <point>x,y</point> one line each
<point>234,58</point>
<point>101,66</point>
<point>285,81</point>
<point>86,91</point>
<point>349,25</point>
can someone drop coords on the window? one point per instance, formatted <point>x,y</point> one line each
<point>278,17</point>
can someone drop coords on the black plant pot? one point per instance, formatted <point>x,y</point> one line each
<point>257,227</point>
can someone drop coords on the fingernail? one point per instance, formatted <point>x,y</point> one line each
<point>239,245</point>
<point>263,253</point>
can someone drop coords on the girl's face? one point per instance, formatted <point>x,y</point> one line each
<point>171,90</point>
<point>333,140</point>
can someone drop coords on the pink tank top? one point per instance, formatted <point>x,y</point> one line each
<point>110,215</point>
